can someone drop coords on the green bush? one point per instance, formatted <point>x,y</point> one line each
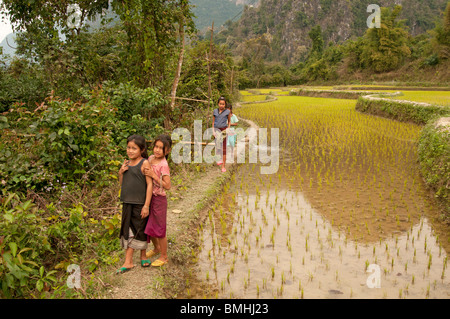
<point>36,246</point>
<point>21,82</point>
<point>22,244</point>
<point>432,60</point>
<point>59,143</point>
<point>434,158</point>
<point>65,142</point>
<point>401,110</point>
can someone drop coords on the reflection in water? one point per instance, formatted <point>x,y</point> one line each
<point>278,246</point>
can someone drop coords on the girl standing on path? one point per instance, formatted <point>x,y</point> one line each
<point>232,137</point>
<point>221,121</point>
<point>135,194</point>
<point>157,222</point>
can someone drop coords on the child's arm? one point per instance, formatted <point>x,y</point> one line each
<point>165,179</point>
<point>148,194</point>
<point>214,132</point>
<point>122,170</point>
<point>234,122</point>
<point>166,182</point>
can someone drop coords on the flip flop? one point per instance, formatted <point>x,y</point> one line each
<point>145,263</point>
<point>159,263</point>
<point>151,253</point>
<point>224,170</point>
<point>123,270</point>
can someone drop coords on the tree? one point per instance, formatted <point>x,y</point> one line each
<point>194,76</point>
<point>386,47</point>
<point>41,22</point>
<point>315,34</point>
<point>442,35</point>
<point>151,27</point>
<point>47,39</point>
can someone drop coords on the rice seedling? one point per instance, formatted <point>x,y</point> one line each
<point>429,261</point>
<point>358,173</point>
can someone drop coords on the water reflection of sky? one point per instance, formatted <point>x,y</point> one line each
<point>283,248</point>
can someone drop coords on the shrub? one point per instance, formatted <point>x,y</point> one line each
<point>36,246</point>
<point>400,110</point>
<point>60,142</point>
<point>434,158</point>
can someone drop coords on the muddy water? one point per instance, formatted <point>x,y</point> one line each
<point>275,245</point>
<point>340,220</point>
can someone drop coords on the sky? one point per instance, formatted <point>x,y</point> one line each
<point>5,27</point>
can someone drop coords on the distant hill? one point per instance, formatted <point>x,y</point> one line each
<point>219,11</point>
<point>286,23</point>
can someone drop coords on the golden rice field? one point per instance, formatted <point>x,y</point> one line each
<point>347,196</point>
<point>267,91</point>
<point>432,97</point>
<point>253,98</point>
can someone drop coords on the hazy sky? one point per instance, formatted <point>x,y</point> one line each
<point>5,27</point>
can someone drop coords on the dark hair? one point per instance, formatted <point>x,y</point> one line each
<point>230,107</point>
<point>139,140</point>
<point>221,99</point>
<point>167,142</point>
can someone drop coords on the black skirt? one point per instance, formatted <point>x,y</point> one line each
<point>133,226</point>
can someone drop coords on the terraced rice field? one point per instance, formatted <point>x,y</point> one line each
<point>253,98</point>
<point>346,216</point>
<point>432,97</point>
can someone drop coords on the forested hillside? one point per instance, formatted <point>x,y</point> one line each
<point>292,42</point>
<point>286,23</point>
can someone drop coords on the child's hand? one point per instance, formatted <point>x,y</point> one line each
<point>124,167</point>
<point>145,212</point>
<point>149,172</point>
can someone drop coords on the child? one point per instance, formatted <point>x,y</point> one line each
<point>136,194</point>
<point>160,174</point>
<point>232,137</point>
<point>221,121</point>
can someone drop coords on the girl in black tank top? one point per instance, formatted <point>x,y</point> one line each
<point>135,194</point>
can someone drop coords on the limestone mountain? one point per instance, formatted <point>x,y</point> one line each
<point>284,24</point>
<point>219,11</point>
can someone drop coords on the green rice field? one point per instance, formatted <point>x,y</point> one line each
<point>347,205</point>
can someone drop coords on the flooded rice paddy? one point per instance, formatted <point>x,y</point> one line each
<point>346,216</point>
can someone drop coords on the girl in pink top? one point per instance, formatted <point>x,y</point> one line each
<point>160,174</point>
